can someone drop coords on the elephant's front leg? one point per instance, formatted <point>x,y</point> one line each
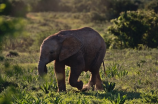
<point>60,75</point>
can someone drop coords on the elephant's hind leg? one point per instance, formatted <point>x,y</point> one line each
<point>95,78</point>
<point>73,79</point>
<point>95,81</point>
<point>99,85</point>
<point>91,83</point>
<point>77,65</point>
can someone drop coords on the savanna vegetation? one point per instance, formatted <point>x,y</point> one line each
<point>129,28</point>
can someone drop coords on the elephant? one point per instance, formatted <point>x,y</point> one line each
<point>82,49</point>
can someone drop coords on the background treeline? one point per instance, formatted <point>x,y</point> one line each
<point>131,23</point>
<point>100,9</point>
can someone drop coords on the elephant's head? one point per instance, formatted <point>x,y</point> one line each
<point>57,47</point>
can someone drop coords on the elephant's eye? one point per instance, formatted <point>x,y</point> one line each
<point>51,52</point>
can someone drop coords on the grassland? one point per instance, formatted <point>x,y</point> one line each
<point>133,74</point>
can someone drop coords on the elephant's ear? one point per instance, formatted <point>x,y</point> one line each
<point>70,46</point>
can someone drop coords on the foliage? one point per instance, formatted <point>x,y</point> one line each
<point>6,98</point>
<point>98,11</point>
<point>16,8</point>
<point>9,27</point>
<point>152,5</point>
<point>48,84</point>
<point>103,9</point>
<point>119,99</point>
<point>109,86</point>
<point>136,27</point>
<point>113,70</point>
<point>150,97</point>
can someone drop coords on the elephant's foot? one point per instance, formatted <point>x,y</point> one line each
<point>87,87</point>
<point>78,84</point>
<point>99,86</point>
<point>94,87</point>
<point>61,88</point>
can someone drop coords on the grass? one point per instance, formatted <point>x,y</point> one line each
<point>48,21</point>
<point>139,85</point>
<point>131,75</point>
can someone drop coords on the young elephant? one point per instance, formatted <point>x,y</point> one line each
<point>82,49</point>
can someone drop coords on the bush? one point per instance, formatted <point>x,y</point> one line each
<point>12,53</point>
<point>136,27</point>
<point>113,8</point>
<point>17,8</point>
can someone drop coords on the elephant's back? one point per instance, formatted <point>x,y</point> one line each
<point>92,44</point>
<point>88,36</point>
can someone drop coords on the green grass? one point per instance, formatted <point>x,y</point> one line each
<point>20,81</point>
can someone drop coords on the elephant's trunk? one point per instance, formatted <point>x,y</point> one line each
<point>42,69</point>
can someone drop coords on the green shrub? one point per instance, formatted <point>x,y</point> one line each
<point>113,70</point>
<point>118,99</point>
<point>109,86</point>
<point>14,53</point>
<point>136,27</point>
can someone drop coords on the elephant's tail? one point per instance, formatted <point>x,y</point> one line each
<point>104,68</point>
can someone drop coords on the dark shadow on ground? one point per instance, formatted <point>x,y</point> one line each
<point>111,94</point>
<point>130,95</point>
<point>4,85</point>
